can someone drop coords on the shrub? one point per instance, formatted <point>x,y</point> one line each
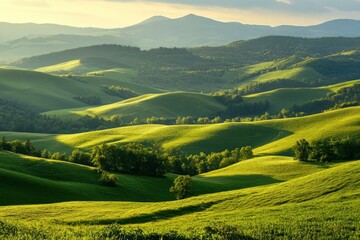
<point>108,179</point>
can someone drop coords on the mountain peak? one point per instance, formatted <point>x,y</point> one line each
<point>192,17</point>
<point>153,19</point>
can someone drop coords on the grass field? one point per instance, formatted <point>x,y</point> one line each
<point>299,74</point>
<point>293,96</point>
<point>167,105</point>
<point>319,201</point>
<point>32,88</point>
<point>73,66</point>
<point>267,137</point>
<point>47,181</point>
<point>296,96</point>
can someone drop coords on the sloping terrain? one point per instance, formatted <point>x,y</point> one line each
<point>42,92</point>
<point>167,105</point>
<point>327,193</point>
<point>267,137</point>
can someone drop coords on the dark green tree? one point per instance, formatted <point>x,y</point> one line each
<point>182,187</point>
<point>302,150</point>
<point>80,157</point>
<point>246,152</point>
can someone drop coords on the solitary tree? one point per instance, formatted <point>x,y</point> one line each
<point>182,187</point>
<point>302,150</point>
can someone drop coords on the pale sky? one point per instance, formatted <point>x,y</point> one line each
<point>120,13</point>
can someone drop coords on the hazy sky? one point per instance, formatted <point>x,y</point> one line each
<point>120,13</point>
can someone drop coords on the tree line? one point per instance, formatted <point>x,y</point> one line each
<point>327,150</point>
<point>135,158</point>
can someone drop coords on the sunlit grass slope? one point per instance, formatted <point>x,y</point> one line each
<point>167,105</point>
<point>115,73</point>
<point>100,81</point>
<point>287,97</point>
<point>267,137</point>
<point>43,92</point>
<point>73,66</point>
<point>299,74</point>
<point>27,180</point>
<point>338,123</point>
<point>324,202</point>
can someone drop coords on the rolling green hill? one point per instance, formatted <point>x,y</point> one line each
<point>295,208</point>
<point>287,97</point>
<point>267,137</point>
<point>74,66</point>
<point>308,62</point>
<point>42,92</point>
<point>167,105</point>
<point>46,181</point>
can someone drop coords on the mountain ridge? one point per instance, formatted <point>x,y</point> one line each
<point>159,31</point>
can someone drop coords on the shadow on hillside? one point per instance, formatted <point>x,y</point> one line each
<point>203,185</point>
<point>150,217</point>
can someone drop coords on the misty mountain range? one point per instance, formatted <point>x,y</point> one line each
<point>23,40</point>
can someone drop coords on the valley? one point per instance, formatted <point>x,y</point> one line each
<point>94,134</point>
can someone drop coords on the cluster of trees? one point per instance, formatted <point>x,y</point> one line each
<point>131,158</point>
<point>202,162</point>
<point>26,148</point>
<point>326,150</point>
<point>137,159</point>
<point>134,158</point>
<point>120,92</point>
<point>89,100</point>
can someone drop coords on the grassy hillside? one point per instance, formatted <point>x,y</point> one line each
<point>74,66</point>
<point>167,105</point>
<point>267,137</point>
<point>27,180</point>
<point>43,92</point>
<point>46,181</point>
<point>304,61</point>
<point>322,204</point>
<point>287,97</point>
<point>339,123</point>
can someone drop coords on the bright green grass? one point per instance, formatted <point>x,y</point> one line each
<point>339,123</point>
<point>267,137</point>
<point>300,74</point>
<point>115,73</point>
<point>73,66</point>
<point>319,204</point>
<point>339,86</point>
<point>239,72</point>
<point>287,97</point>
<point>43,92</point>
<point>127,83</point>
<point>28,180</point>
<point>167,105</point>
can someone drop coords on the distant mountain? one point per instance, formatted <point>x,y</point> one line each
<point>26,46</point>
<point>12,31</point>
<point>158,31</point>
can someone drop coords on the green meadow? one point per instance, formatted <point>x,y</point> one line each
<point>266,137</point>
<point>267,195</point>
